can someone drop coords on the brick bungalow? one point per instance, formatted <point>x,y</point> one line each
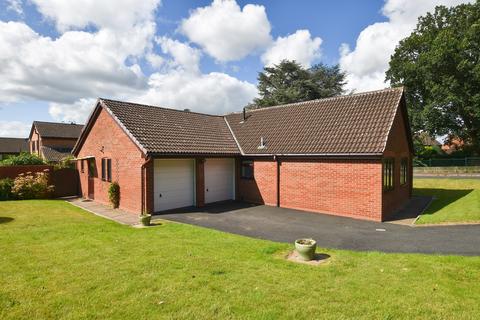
<point>53,141</point>
<point>348,156</point>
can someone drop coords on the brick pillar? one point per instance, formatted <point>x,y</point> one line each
<point>149,187</point>
<point>200,182</point>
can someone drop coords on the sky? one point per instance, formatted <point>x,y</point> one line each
<point>57,57</point>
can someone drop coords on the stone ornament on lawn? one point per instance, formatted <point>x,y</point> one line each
<point>306,248</point>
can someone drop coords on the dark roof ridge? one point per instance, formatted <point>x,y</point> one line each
<point>51,122</point>
<point>323,99</point>
<point>164,108</point>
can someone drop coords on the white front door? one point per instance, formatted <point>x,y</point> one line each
<point>173,183</point>
<point>219,179</point>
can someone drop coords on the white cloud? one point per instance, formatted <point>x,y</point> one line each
<point>75,68</point>
<point>113,14</point>
<point>15,129</point>
<point>15,6</point>
<point>184,56</point>
<point>226,31</point>
<point>72,112</point>
<point>76,65</point>
<point>215,93</point>
<point>298,46</point>
<point>367,63</point>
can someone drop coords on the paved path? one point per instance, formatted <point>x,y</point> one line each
<point>285,225</point>
<point>108,212</point>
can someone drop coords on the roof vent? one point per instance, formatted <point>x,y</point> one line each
<point>186,110</point>
<point>262,143</point>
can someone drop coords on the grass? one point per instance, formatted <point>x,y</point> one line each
<point>60,262</point>
<point>456,200</point>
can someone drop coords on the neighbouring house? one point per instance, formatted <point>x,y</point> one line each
<point>453,144</point>
<point>348,156</point>
<point>427,140</point>
<point>53,141</point>
<point>12,147</point>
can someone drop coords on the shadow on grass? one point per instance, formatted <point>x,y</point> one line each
<point>442,197</point>
<point>5,220</point>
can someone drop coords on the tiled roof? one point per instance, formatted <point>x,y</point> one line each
<point>58,130</point>
<point>55,154</point>
<point>357,124</point>
<point>352,124</point>
<point>13,145</point>
<point>169,131</point>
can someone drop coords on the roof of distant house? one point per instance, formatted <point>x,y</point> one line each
<point>13,145</point>
<point>58,130</point>
<point>345,125</point>
<point>55,154</point>
<point>427,140</point>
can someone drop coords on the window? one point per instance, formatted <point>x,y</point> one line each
<point>388,176</point>
<point>81,166</point>
<point>247,169</point>
<point>91,167</point>
<point>106,169</point>
<point>404,171</point>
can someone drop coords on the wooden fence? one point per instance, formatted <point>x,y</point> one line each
<point>66,181</point>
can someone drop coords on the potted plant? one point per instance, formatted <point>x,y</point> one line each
<point>306,248</point>
<point>145,219</point>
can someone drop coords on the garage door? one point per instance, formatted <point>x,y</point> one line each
<point>219,180</point>
<point>173,184</point>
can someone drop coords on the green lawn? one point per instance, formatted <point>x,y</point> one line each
<point>59,262</point>
<point>456,200</point>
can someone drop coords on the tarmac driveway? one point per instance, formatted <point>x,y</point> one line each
<point>286,225</point>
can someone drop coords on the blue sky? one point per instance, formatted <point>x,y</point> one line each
<point>56,59</point>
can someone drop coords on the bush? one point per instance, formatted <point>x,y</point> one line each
<point>114,194</point>
<point>6,189</point>
<point>22,159</point>
<point>66,162</point>
<point>32,186</point>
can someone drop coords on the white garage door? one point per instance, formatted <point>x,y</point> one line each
<point>219,180</point>
<point>173,183</point>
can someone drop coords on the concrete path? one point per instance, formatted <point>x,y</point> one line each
<point>286,225</point>
<point>108,212</point>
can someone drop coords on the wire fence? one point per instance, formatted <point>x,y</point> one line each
<point>448,162</point>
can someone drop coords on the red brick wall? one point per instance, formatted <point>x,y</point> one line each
<point>107,140</point>
<point>200,182</point>
<point>397,148</point>
<point>58,142</point>
<point>350,188</point>
<point>33,140</point>
<point>263,188</point>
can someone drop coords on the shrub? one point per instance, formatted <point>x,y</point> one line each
<point>23,158</point>
<point>32,186</point>
<point>6,189</point>
<point>66,162</point>
<point>114,194</point>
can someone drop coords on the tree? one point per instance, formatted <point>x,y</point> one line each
<point>289,82</point>
<point>23,158</point>
<point>439,64</point>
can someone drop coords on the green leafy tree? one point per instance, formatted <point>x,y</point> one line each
<point>439,63</point>
<point>289,82</point>
<point>23,158</point>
